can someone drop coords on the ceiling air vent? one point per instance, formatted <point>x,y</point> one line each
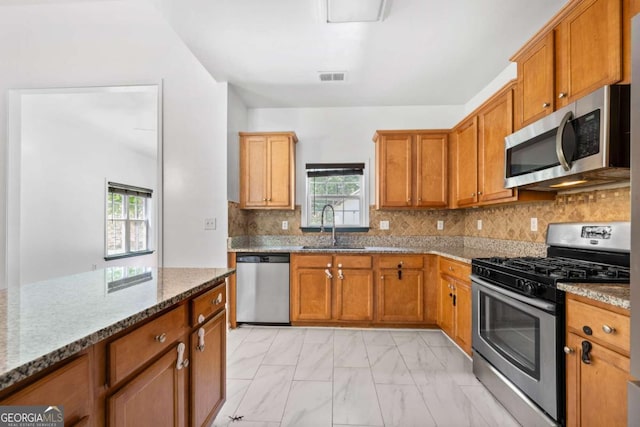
<point>332,76</point>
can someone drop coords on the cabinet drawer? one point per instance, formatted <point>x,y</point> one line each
<point>312,261</point>
<point>455,268</point>
<point>208,303</point>
<point>407,261</point>
<point>128,353</point>
<point>353,261</point>
<point>581,315</point>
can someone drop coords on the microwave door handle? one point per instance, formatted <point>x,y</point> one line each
<point>559,151</point>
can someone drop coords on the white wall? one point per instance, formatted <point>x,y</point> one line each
<point>345,134</point>
<point>237,121</point>
<point>508,74</point>
<point>98,43</point>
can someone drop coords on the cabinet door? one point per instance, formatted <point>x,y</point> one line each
<point>208,367</point>
<point>155,397</point>
<point>589,49</point>
<point>445,306</point>
<point>400,295</point>
<point>68,386</point>
<point>596,392</point>
<point>495,123</point>
<point>462,306</point>
<point>431,171</point>
<point>536,82</point>
<point>394,170</point>
<point>354,294</point>
<point>310,294</point>
<point>279,174</point>
<point>467,163</point>
<point>253,169</point>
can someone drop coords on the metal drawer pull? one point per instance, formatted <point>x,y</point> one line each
<point>568,350</point>
<point>200,346</point>
<point>340,275</point>
<point>182,362</point>
<point>329,265</point>
<point>450,268</point>
<point>328,273</point>
<point>161,338</point>
<point>546,105</point>
<point>218,299</point>
<point>562,95</point>
<point>608,329</point>
<point>586,349</point>
<point>200,318</point>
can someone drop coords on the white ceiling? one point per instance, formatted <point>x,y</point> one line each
<point>425,52</point>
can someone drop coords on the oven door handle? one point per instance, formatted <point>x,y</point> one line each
<point>497,292</point>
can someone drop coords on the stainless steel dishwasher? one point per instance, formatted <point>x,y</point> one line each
<point>262,288</point>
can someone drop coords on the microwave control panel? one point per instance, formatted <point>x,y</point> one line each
<point>587,130</point>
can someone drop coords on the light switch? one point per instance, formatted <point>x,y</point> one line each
<point>285,225</point>
<point>440,225</point>
<point>209,223</point>
<point>384,225</point>
<point>479,224</point>
<point>534,224</point>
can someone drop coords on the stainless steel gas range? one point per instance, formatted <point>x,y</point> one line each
<point>518,315</point>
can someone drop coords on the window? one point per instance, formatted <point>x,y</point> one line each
<point>118,278</point>
<point>128,213</point>
<point>340,185</point>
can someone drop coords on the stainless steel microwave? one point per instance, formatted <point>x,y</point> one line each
<point>584,143</point>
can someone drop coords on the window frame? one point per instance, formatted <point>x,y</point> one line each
<point>128,191</point>
<point>363,225</point>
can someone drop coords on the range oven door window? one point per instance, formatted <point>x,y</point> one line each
<point>513,333</point>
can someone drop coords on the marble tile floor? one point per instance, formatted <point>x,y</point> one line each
<point>334,377</point>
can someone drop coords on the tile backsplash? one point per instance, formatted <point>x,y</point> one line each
<point>507,222</point>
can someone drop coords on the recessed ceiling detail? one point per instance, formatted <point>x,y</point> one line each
<point>341,11</point>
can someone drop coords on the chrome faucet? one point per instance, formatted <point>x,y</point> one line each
<point>333,223</point>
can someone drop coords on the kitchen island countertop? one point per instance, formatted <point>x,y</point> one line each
<point>48,321</point>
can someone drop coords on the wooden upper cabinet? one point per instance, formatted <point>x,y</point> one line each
<point>495,123</point>
<point>394,170</point>
<point>466,163</point>
<point>536,82</point>
<point>267,170</point>
<point>411,169</point>
<point>589,49</point>
<point>431,170</point>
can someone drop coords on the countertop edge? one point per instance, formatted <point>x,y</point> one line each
<point>45,361</point>
<point>615,295</point>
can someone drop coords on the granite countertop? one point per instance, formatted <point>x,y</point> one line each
<point>616,294</point>
<point>459,253</point>
<point>46,322</point>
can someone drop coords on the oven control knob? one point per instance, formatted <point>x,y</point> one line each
<point>529,288</point>
<point>520,284</point>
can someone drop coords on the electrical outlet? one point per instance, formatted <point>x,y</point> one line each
<point>479,224</point>
<point>440,225</point>
<point>384,225</point>
<point>209,223</point>
<point>285,225</point>
<point>534,224</point>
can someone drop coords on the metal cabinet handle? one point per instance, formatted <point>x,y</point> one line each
<point>264,200</point>
<point>562,95</point>
<point>161,338</point>
<point>181,362</point>
<point>546,105</point>
<point>559,151</point>
<point>479,193</point>
<point>586,349</point>
<point>200,346</point>
<point>268,200</point>
<point>340,275</point>
<point>218,299</point>
<point>329,265</point>
<point>328,273</point>
<point>339,265</point>
<point>568,350</point>
<point>608,329</point>
<point>473,194</point>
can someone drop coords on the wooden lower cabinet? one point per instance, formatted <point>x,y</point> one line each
<point>463,315</point>
<point>208,363</point>
<point>446,311</point>
<point>354,295</point>
<point>454,309</point>
<point>310,294</point>
<point>597,364</point>
<point>155,397</point>
<point>400,295</point>
<point>68,386</point>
